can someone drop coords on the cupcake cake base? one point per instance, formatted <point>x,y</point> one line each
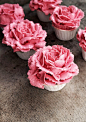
<point>84,54</point>
<point>42,16</point>
<point>25,55</point>
<point>54,88</point>
<point>65,35</point>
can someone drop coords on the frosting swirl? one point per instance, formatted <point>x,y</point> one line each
<point>81,37</point>
<point>47,6</point>
<point>67,18</point>
<point>10,13</point>
<point>51,66</point>
<point>24,35</point>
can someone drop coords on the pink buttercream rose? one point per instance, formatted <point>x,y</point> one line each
<point>10,13</point>
<point>81,37</point>
<point>47,6</point>
<point>67,18</point>
<point>51,66</point>
<point>24,35</point>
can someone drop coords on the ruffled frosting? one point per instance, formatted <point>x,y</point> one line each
<point>10,13</point>
<point>81,37</point>
<point>24,35</point>
<point>47,6</point>
<point>67,18</point>
<point>51,66</point>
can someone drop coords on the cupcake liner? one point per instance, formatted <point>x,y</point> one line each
<point>54,88</point>
<point>65,35</point>
<point>25,55</point>
<point>42,16</point>
<point>84,54</point>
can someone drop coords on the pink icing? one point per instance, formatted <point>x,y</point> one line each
<point>24,35</point>
<point>9,13</point>
<point>47,6</point>
<point>51,65</point>
<point>67,18</point>
<point>81,36</point>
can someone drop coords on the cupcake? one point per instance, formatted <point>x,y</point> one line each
<point>65,21</point>
<point>44,8</point>
<point>51,67</point>
<point>10,13</point>
<point>81,37</point>
<point>24,37</point>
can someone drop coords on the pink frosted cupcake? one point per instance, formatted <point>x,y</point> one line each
<point>65,21</point>
<point>81,37</point>
<point>44,8</point>
<point>10,13</point>
<point>24,37</point>
<point>51,68</point>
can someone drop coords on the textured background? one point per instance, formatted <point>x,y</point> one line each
<point>21,2</point>
<point>21,102</point>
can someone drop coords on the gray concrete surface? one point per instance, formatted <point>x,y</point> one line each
<point>21,102</point>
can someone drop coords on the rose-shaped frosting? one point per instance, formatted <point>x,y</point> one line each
<point>81,37</point>
<point>24,35</point>
<point>67,18</point>
<point>10,13</point>
<point>47,6</point>
<point>51,65</point>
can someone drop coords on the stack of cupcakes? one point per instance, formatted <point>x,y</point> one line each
<point>50,67</point>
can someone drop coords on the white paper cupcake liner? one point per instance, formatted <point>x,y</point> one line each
<point>42,16</point>
<point>65,35</point>
<point>25,55</point>
<point>54,88</point>
<point>84,54</point>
